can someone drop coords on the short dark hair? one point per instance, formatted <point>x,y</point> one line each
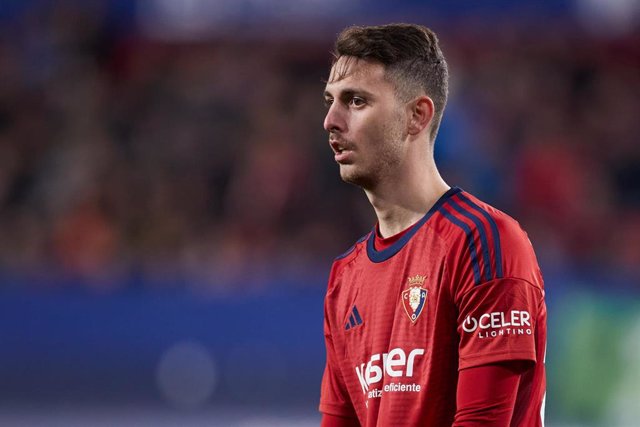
<point>411,56</point>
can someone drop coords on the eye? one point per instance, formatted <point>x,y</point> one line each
<point>356,101</point>
<point>328,102</point>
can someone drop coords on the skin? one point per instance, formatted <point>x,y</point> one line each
<point>382,142</point>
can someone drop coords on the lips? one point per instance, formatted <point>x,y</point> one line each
<point>343,156</point>
<point>340,150</point>
<point>336,146</point>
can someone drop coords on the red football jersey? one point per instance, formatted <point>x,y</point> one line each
<point>460,288</point>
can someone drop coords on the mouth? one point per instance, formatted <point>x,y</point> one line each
<point>340,151</point>
<point>337,146</point>
<point>343,155</point>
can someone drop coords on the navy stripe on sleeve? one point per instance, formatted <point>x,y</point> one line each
<point>470,241</point>
<point>483,237</point>
<point>494,233</point>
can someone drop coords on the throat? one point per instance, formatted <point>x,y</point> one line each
<point>389,229</point>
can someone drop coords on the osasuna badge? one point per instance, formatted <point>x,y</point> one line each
<point>415,297</point>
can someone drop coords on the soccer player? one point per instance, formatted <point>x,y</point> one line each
<point>437,316</point>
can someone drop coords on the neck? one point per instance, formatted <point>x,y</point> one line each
<point>401,202</point>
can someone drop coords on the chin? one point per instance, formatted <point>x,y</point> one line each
<point>355,177</point>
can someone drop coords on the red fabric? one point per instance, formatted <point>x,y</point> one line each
<point>487,394</point>
<point>383,243</point>
<point>329,420</point>
<point>461,290</point>
<point>486,397</point>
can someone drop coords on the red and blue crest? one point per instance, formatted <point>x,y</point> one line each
<point>413,301</point>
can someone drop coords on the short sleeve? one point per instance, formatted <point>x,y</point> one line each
<point>497,322</point>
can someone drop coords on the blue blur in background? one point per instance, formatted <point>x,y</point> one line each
<point>169,207</point>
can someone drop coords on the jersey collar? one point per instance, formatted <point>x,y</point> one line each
<point>385,254</point>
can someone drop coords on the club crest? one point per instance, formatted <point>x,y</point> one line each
<point>414,298</point>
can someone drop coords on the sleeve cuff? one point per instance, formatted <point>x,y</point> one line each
<point>503,356</point>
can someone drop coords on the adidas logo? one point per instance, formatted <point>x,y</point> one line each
<point>354,319</point>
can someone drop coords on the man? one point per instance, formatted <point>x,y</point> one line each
<point>437,316</point>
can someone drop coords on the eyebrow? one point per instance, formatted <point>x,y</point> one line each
<point>350,92</point>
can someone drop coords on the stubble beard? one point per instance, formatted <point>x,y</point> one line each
<point>381,168</point>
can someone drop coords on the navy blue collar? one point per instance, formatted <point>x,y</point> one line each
<point>385,254</point>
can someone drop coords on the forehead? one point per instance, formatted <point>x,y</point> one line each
<point>349,71</point>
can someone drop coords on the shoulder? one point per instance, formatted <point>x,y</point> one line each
<point>492,222</point>
<point>352,251</point>
<point>485,243</point>
<point>515,255</point>
<point>344,260</point>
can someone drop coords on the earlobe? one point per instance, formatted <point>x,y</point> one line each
<point>422,112</point>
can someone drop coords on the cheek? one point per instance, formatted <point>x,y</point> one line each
<point>387,133</point>
<point>378,132</point>
<point>373,129</point>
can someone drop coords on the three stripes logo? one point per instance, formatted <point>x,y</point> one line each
<point>354,319</point>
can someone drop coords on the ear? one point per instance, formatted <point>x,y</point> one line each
<point>421,112</point>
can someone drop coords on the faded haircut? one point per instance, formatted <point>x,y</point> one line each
<point>412,58</point>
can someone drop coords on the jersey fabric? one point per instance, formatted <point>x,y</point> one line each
<point>460,288</point>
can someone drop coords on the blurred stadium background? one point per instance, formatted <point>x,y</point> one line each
<point>169,207</point>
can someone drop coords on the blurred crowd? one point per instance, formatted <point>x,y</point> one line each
<point>128,161</point>
<point>553,116</point>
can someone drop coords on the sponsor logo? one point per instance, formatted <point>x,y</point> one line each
<point>396,363</point>
<point>414,298</point>
<point>376,393</point>
<point>499,323</point>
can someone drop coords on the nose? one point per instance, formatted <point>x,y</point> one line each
<point>334,121</point>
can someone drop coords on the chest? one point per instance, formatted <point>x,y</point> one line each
<point>390,305</point>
